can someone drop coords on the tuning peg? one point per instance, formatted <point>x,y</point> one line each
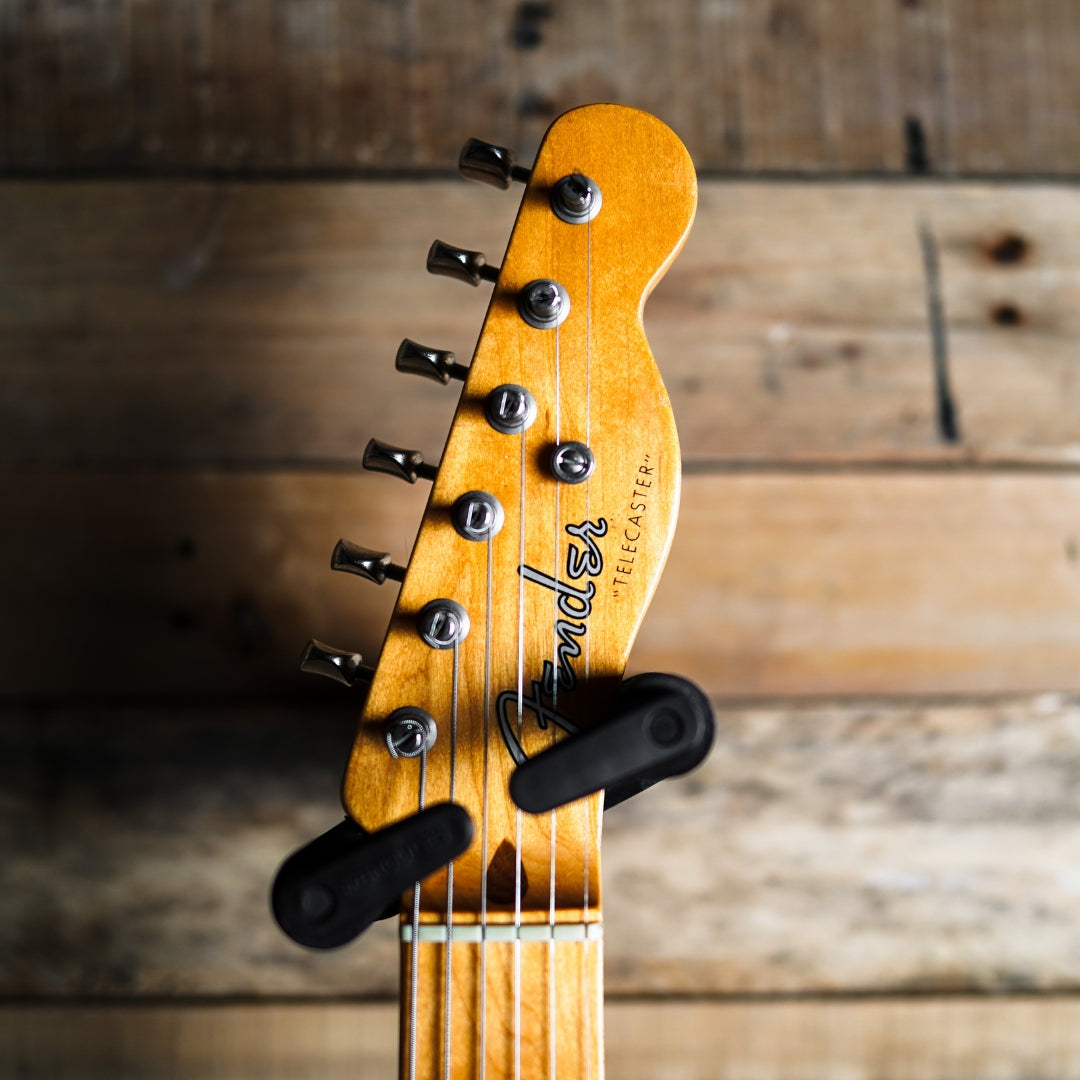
<point>374,565</point>
<point>406,464</point>
<point>468,266</point>
<point>435,364</point>
<point>337,664</point>
<point>490,164</point>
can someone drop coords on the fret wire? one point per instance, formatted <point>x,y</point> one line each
<point>447,1040</point>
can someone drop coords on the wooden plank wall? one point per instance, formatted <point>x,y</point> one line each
<point>876,577</point>
<point>952,86</point>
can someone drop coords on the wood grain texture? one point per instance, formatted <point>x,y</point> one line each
<point>239,325</point>
<point>555,639</point>
<point>543,1007</point>
<point>928,1039</point>
<point>865,848</point>
<point>871,85</point>
<point>793,583</point>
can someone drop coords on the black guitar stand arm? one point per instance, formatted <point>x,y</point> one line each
<point>334,888</point>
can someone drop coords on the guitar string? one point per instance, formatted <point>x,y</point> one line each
<point>520,734</point>
<point>448,973</point>
<point>484,823</point>
<point>414,951</point>
<point>520,737</point>
<point>555,710</point>
<point>586,998</point>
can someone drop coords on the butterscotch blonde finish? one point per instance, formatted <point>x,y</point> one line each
<point>555,598</point>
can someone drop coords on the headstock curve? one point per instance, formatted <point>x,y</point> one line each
<point>555,598</point>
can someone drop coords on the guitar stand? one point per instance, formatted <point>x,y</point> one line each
<point>332,889</point>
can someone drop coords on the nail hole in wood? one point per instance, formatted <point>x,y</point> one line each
<point>1008,249</point>
<point>528,32</point>
<point>1006,314</point>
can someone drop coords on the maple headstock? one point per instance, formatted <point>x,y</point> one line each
<point>553,599</point>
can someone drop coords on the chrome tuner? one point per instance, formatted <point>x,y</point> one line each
<point>337,664</point>
<point>576,199</point>
<point>442,624</point>
<point>468,266</point>
<point>405,464</point>
<point>477,515</point>
<point>435,364</point>
<point>510,409</point>
<point>544,304</point>
<point>490,164</point>
<point>572,462</point>
<point>409,731</point>
<point>373,565</point>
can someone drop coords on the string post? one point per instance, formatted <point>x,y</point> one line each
<point>409,732</point>
<point>443,623</point>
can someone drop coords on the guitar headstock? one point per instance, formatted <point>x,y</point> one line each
<point>550,517</point>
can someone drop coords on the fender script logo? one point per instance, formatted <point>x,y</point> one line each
<point>574,606</point>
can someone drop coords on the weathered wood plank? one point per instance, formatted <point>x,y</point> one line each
<point>235,324</point>
<point>860,848</point>
<point>793,85</point>
<point>932,1039</point>
<point>799,584</point>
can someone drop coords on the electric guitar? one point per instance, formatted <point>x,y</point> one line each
<point>497,715</point>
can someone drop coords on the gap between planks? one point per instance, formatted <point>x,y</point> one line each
<point>885,1039</point>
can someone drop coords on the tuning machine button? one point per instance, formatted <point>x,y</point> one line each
<point>406,464</point>
<point>468,266</point>
<point>375,566</point>
<point>490,164</point>
<point>435,364</point>
<point>337,664</point>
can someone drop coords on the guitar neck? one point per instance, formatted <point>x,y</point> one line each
<point>525,1003</point>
